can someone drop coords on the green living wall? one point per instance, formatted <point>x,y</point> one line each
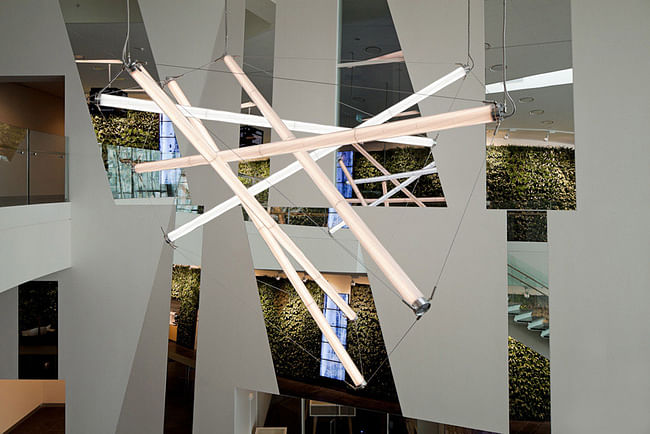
<point>530,383</point>
<point>185,288</point>
<point>134,129</point>
<point>295,339</point>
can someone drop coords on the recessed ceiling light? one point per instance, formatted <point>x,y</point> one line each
<point>548,122</point>
<point>496,68</point>
<point>536,112</point>
<point>372,50</point>
<point>526,99</point>
<point>488,45</point>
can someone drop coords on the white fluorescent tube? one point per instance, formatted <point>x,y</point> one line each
<point>415,98</point>
<point>100,61</point>
<point>283,174</point>
<point>444,121</point>
<point>258,216</point>
<point>420,172</point>
<point>267,226</point>
<point>394,57</point>
<point>243,119</point>
<point>547,79</point>
<point>390,193</point>
<point>310,304</point>
<point>348,176</point>
<point>386,263</point>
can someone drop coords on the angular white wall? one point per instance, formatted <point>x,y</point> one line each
<point>306,53</point>
<point>452,367</point>
<point>114,251</point>
<point>232,346</point>
<point>598,255</point>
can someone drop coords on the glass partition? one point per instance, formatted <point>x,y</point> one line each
<point>32,166</point>
<point>47,168</point>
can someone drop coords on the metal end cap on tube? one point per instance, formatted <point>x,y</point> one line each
<point>497,112</point>
<point>420,306</point>
<point>166,238</point>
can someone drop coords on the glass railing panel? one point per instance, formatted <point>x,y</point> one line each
<point>13,165</point>
<point>47,168</point>
<point>125,183</point>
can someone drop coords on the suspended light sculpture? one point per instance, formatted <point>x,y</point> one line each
<point>274,237</point>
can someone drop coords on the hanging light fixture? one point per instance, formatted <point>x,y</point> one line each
<point>295,167</point>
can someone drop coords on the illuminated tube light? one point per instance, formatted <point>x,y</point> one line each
<point>271,229</point>
<point>289,170</point>
<point>430,168</point>
<point>418,173</point>
<point>461,118</point>
<point>356,190</point>
<point>415,98</point>
<point>380,118</point>
<point>203,146</point>
<point>310,304</point>
<point>400,280</point>
<point>137,104</point>
<point>264,229</point>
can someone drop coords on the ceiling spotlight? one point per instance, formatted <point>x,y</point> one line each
<point>548,122</point>
<point>536,112</point>
<point>497,68</point>
<point>352,283</point>
<point>488,45</point>
<point>372,49</point>
<point>78,56</point>
<point>277,276</point>
<point>506,136</point>
<point>526,99</point>
<point>548,135</point>
<point>305,278</point>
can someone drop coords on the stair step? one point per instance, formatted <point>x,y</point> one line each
<point>514,309</point>
<point>524,317</point>
<point>538,324</point>
<point>546,333</point>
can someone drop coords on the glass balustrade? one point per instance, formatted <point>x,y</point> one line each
<point>33,166</point>
<point>125,183</point>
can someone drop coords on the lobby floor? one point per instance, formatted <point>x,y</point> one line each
<point>45,420</point>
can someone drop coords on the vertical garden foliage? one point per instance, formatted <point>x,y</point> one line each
<point>530,177</point>
<point>185,288</point>
<point>295,339</point>
<point>530,383</point>
<point>255,169</point>
<point>135,130</point>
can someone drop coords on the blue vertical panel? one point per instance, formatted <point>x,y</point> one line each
<point>330,365</point>
<point>341,184</point>
<point>168,149</point>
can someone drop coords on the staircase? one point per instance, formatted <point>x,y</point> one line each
<point>528,291</point>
